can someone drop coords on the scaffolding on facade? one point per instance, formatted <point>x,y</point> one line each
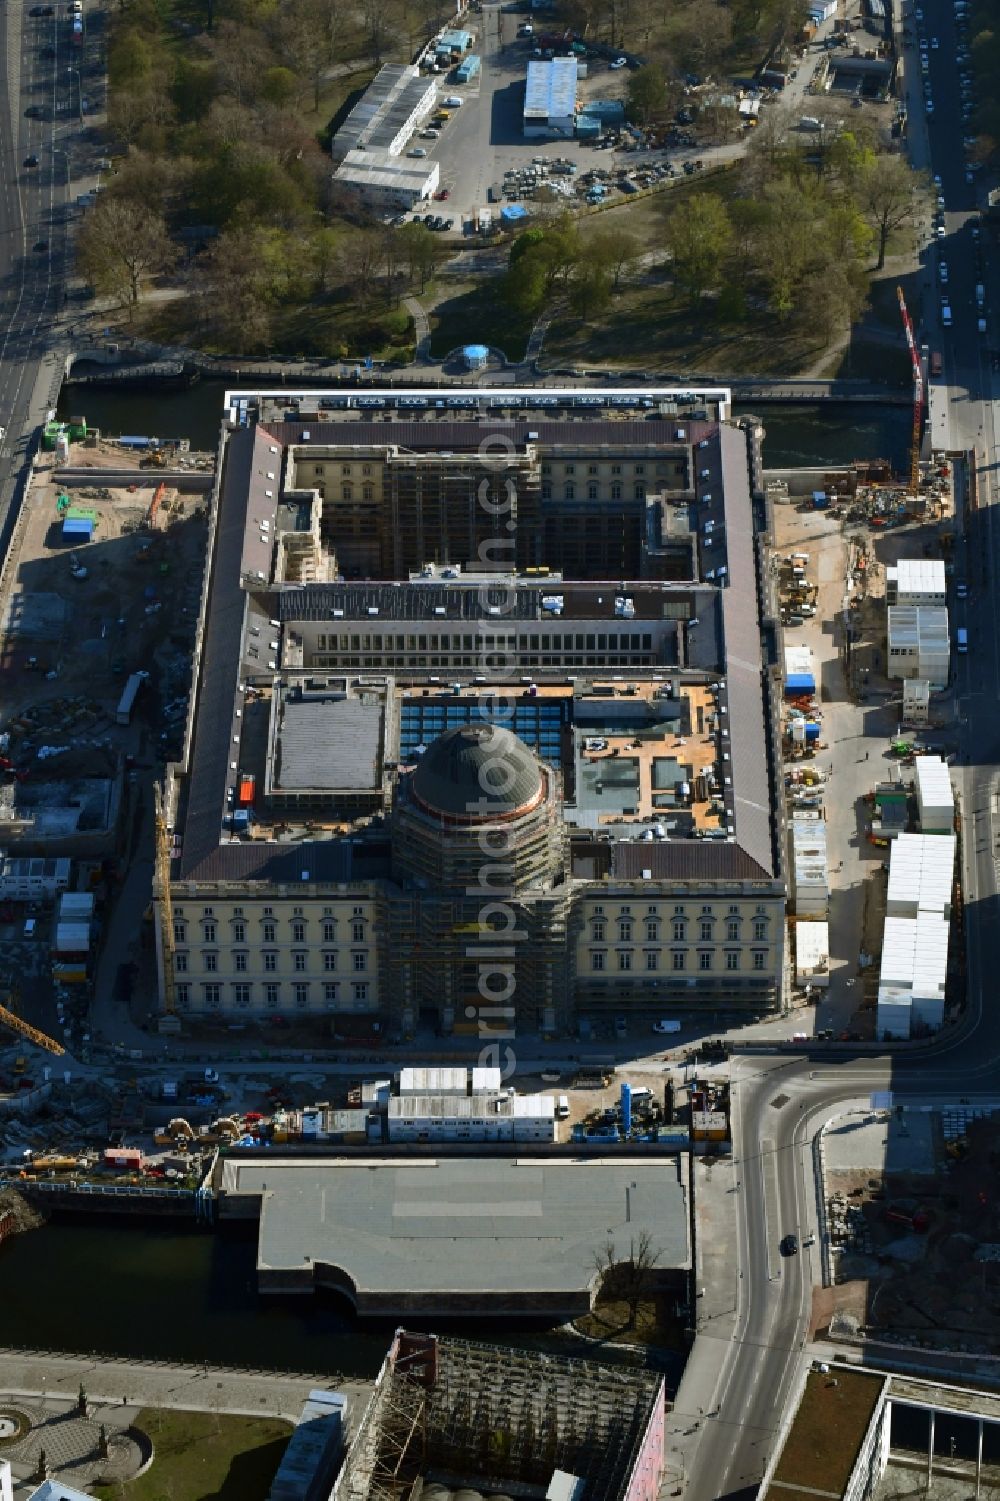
<point>489,1417</point>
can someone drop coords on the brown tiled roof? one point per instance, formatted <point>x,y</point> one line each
<point>686,860</point>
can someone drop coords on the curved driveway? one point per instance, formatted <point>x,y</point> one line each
<point>772,1147</point>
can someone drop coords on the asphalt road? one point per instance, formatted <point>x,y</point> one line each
<point>744,1397</point>
<point>34,210</point>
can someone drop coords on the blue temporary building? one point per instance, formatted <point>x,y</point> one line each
<point>587,127</point>
<point>513,213</point>
<point>799,682</point>
<point>475,356</point>
<point>77,529</point>
<point>454,41</point>
<point>611,111</point>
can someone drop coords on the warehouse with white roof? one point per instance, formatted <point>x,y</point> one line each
<point>388,182</point>
<point>812,954</point>
<point>919,645</point>
<point>489,1116</point>
<point>810,877</point>
<point>935,796</point>
<point>921,868</point>
<point>368,146</point>
<point>916,581</point>
<point>550,99</point>
<point>445,1079</point>
<point>913,975</point>
<point>914,966</point>
<point>391,108</point>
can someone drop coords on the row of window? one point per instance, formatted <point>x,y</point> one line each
<point>300,993</point>
<point>706,926</point>
<point>348,469</point>
<point>268,911</point>
<point>209,960</point>
<point>594,490</point>
<point>347,661</point>
<point>655,909</point>
<point>269,931</point>
<point>661,468</point>
<point>678,959</point>
<point>489,642</point>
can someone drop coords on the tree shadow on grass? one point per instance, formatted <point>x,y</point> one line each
<point>250,1474</point>
<point>479,316</point>
<point>654,327</point>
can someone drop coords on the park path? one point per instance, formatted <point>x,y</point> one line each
<point>421,328</point>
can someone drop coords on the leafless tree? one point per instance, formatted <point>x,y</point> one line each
<point>629,1277</point>
<point>121,242</point>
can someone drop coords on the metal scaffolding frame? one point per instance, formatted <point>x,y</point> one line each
<point>488,1416</point>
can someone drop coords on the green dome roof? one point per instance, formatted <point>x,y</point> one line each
<point>477,772</point>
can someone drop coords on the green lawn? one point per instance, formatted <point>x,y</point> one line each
<point>333,327</point>
<point>204,1457</point>
<point>655,1323</point>
<point>475,314</point>
<point>651,325</point>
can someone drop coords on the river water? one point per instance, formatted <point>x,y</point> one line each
<point>159,1290</point>
<point>796,435</point>
<point>169,1292</point>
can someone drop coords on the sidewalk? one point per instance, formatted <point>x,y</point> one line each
<point>108,1380</point>
<point>716,1283</point>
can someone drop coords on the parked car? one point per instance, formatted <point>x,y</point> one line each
<point>619,62</point>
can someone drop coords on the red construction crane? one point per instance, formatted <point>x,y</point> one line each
<point>154,504</point>
<point>918,392</point>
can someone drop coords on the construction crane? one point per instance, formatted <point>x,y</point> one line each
<point>154,504</point>
<point>16,1024</point>
<point>161,893</point>
<point>918,392</point>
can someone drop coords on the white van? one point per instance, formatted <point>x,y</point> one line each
<point>29,927</point>
<point>980,294</point>
<point>562,1107</point>
<point>961,641</point>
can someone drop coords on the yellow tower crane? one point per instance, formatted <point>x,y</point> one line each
<point>161,893</point>
<point>17,1024</point>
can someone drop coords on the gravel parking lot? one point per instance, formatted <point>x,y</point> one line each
<point>483,139</point>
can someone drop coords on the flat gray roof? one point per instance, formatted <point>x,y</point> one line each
<point>328,743</point>
<point>490,1226</point>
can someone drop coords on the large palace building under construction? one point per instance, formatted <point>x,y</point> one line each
<point>481,720</point>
